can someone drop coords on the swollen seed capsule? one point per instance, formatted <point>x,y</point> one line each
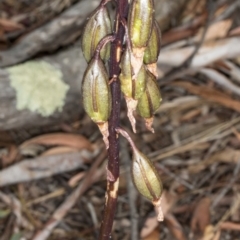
<point>140,23</point>
<point>145,176</point>
<point>97,95</point>
<point>140,20</point>
<point>131,88</point>
<point>154,45</point>
<point>96,92</point>
<point>97,27</point>
<point>153,49</point>
<point>150,101</point>
<point>147,180</point>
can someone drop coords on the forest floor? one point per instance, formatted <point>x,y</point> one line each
<point>52,177</point>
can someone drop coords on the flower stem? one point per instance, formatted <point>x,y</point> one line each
<point>113,151</point>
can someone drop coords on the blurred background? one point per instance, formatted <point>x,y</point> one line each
<point>52,158</point>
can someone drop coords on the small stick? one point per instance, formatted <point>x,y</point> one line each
<point>92,176</point>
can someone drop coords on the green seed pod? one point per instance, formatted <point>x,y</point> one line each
<point>97,95</point>
<point>131,88</point>
<point>145,176</point>
<point>150,101</point>
<point>97,27</point>
<point>154,45</point>
<point>96,91</point>
<point>140,21</point>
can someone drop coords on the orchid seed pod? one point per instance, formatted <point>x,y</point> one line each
<point>147,180</point>
<point>97,96</point>
<point>140,23</point>
<point>150,101</point>
<point>131,88</point>
<point>97,27</point>
<point>145,176</point>
<point>153,49</point>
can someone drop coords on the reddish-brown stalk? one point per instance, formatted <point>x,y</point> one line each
<point>113,151</point>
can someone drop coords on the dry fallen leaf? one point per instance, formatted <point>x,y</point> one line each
<point>210,52</point>
<point>228,155</point>
<point>191,114</point>
<point>167,202</point>
<point>213,30</point>
<point>175,227</point>
<point>192,9</point>
<point>65,139</point>
<point>11,156</point>
<point>201,216</point>
<point>46,166</point>
<point>76,178</point>
<point>59,150</point>
<point>235,31</point>
<point>176,35</point>
<point>220,79</point>
<point>210,94</point>
<point>150,224</point>
<point>230,226</point>
<point>155,235</point>
<point>232,70</point>
<point>10,26</point>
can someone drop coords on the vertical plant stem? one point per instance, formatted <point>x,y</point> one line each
<point>113,151</point>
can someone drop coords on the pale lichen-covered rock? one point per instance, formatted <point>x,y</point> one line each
<point>39,87</point>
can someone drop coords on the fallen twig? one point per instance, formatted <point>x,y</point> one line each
<point>92,176</point>
<point>15,204</point>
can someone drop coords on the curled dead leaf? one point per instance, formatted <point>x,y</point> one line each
<point>201,216</point>
<point>210,94</point>
<point>213,30</point>
<point>230,226</point>
<point>65,139</point>
<point>11,156</point>
<point>59,150</point>
<point>155,235</point>
<point>150,224</point>
<point>175,227</point>
<point>9,25</point>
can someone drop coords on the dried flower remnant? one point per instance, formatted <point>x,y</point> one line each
<point>97,27</point>
<point>131,88</point>
<point>145,176</point>
<point>150,101</point>
<point>140,23</point>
